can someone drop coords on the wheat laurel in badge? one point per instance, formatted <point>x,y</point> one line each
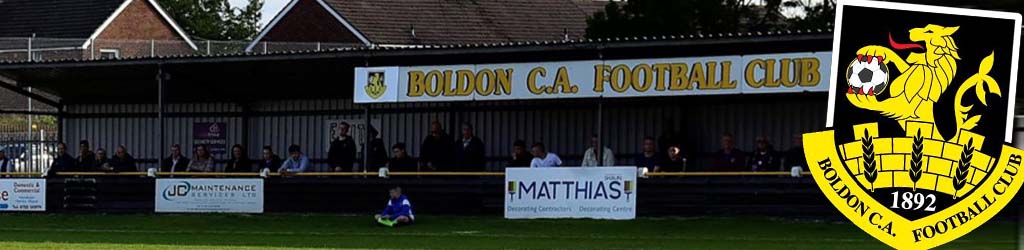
<point>917,149</point>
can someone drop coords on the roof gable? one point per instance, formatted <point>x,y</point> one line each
<point>54,18</point>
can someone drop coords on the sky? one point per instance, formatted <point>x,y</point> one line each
<point>270,8</point>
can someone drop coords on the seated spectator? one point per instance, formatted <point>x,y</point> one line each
<point>6,164</point>
<point>520,156</point>
<point>590,156</point>
<point>402,162</point>
<point>649,156</point>
<point>176,162</point>
<point>764,157</point>
<point>436,150</point>
<point>203,161</point>
<point>86,159</point>
<point>378,154</point>
<point>728,158</point>
<point>542,158</point>
<point>399,210</point>
<point>270,160</point>
<point>239,162</point>
<point>675,161</point>
<point>122,161</point>
<point>341,156</point>
<point>469,151</point>
<point>63,162</point>
<point>296,162</point>
<point>795,155</point>
<point>102,162</point>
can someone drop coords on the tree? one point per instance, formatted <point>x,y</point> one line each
<point>675,17</point>
<point>215,19</point>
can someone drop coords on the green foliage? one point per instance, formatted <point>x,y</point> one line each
<point>675,17</point>
<point>215,19</point>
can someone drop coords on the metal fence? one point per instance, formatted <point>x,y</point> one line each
<point>19,49</point>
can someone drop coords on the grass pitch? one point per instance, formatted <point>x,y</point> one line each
<point>281,231</point>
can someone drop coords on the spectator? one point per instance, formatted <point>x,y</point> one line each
<point>342,153</point>
<point>795,155</point>
<point>728,158</point>
<point>86,159</point>
<point>764,157</point>
<point>542,158</point>
<point>296,162</point>
<point>378,154</point>
<point>6,164</point>
<point>469,151</point>
<point>674,163</point>
<point>176,162</point>
<point>649,157</point>
<point>63,162</point>
<point>402,162</point>
<point>203,161</point>
<point>239,162</point>
<point>122,161</point>
<point>436,149</point>
<point>520,157</point>
<point>590,156</point>
<point>269,160</point>
<point>102,162</point>
<point>399,210</point>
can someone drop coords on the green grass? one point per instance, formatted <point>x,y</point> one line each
<point>280,231</point>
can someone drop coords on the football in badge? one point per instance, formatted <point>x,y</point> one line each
<point>867,76</point>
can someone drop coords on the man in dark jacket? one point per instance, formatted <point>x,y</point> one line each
<point>520,156</point>
<point>176,162</point>
<point>469,151</point>
<point>377,151</point>
<point>342,153</point>
<point>729,158</point>
<point>269,160</point>
<point>437,148</point>
<point>122,161</point>
<point>764,158</point>
<point>63,162</point>
<point>402,162</point>
<point>86,159</point>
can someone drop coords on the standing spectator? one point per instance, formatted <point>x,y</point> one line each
<point>402,162</point>
<point>520,156</point>
<point>176,162</point>
<point>122,161</point>
<point>674,163</point>
<point>296,162</point>
<point>378,152</point>
<point>728,158</point>
<point>63,162</point>
<point>270,160</point>
<point>795,155</point>
<point>342,153</point>
<point>764,157</point>
<point>436,149</point>
<point>239,162</point>
<point>6,164</point>
<point>102,161</point>
<point>649,157</point>
<point>86,159</point>
<point>590,156</point>
<point>469,151</point>
<point>203,161</point>
<point>542,158</point>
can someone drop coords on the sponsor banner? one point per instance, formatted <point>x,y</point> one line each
<point>734,74</point>
<point>209,195</point>
<point>211,134</point>
<point>598,193</point>
<point>22,195</point>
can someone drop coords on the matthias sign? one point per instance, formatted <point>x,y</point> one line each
<point>765,73</point>
<point>920,110</point>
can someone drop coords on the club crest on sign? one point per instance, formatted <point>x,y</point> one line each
<point>917,150</point>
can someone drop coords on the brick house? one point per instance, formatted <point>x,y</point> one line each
<point>424,22</point>
<point>87,29</point>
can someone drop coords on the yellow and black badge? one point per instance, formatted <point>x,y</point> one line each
<point>917,153</point>
<point>375,84</point>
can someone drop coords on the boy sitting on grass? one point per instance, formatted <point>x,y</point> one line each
<point>398,211</point>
